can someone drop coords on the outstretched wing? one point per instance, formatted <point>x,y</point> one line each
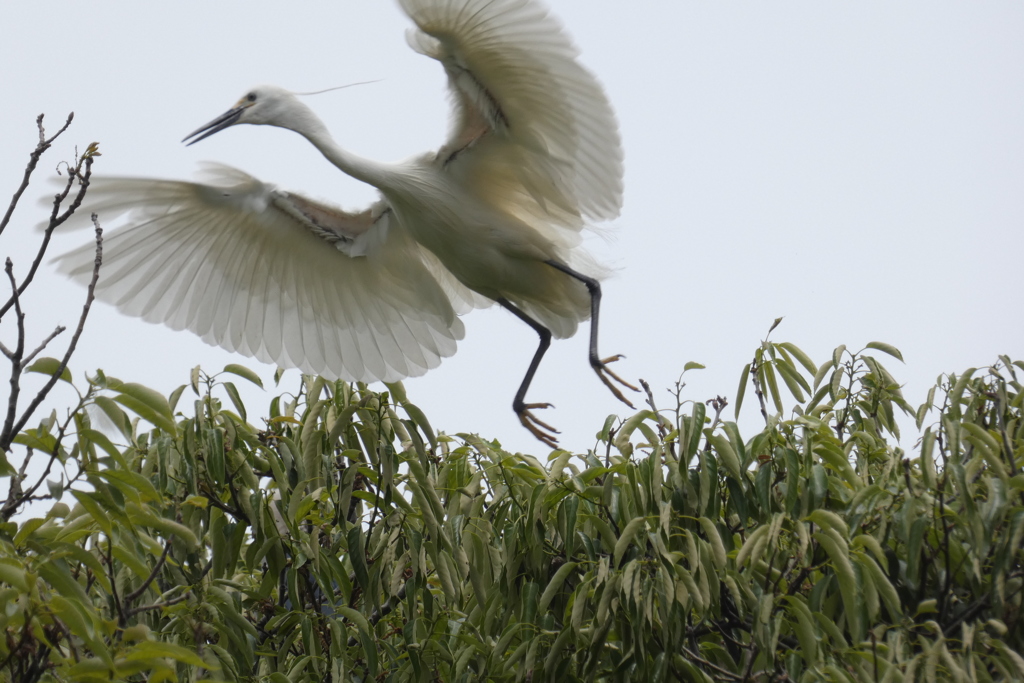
<point>272,275</point>
<point>533,130</point>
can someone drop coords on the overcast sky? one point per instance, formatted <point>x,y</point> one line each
<point>855,167</point>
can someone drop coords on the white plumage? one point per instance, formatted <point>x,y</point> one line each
<point>494,215</point>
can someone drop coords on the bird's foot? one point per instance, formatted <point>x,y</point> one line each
<point>600,366</point>
<point>540,429</point>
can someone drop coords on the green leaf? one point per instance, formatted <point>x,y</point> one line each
<point>742,389</point>
<point>753,545</point>
<point>830,520</point>
<point>886,348</point>
<point>839,554</point>
<point>794,382</point>
<point>771,386</point>
<point>13,575</point>
<point>882,584</point>
<point>554,585</point>
<point>142,515</point>
<point>726,454</point>
<point>49,367</point>
<point>806,633</point>
<point>93,508</point>
<point>801,357</point>
<point>150,648</point>
<point>245,373</point>
<point>717,547</point>
<point>149,405</point>
<point>236,399</point>
<point>628,534</point>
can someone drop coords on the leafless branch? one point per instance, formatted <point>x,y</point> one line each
<point>6,436</point>
<point>44,144</point>
<point>90,296</point>
<point>56,218</point>
<point>12,424</point>
<point>28,359</point>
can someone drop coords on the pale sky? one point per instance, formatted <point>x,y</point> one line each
<point>855,167</point>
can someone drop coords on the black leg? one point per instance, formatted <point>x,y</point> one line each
<point>542,431</point>
<point>599,364</point>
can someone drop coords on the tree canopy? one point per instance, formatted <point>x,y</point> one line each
<point>341,537</point>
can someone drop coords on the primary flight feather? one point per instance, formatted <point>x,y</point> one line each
<point>493,216</point>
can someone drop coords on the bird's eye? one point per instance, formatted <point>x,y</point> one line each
<point>251,97</point>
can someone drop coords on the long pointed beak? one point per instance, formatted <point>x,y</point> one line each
<point>226,119</point>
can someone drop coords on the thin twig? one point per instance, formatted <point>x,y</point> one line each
<point>90,296</point>
<point>16,498</point>
<point>28,359</point>
<point>28,495</point>
<point>56,220</point>
<point>700,660</point>
<point>43,145</point>
<point>121,617</point>
<point>131,597</point>
<point>12,402</point>
<point>160,605</point>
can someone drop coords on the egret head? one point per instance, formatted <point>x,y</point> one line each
<point>266,105</point>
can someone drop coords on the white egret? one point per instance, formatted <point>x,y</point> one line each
<point>493,216</point>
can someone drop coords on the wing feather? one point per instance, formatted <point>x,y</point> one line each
<point>533,131</point>
<point>228,263</point>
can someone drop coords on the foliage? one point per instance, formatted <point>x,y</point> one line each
<point>347,541</point>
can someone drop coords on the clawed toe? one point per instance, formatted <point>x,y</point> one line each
<point>540,429</point>
<point>606,375</point>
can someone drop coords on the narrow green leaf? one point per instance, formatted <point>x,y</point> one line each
<point>881,582</point>
<point>142,515</point>
<point>554,585</point>
<point>93,508</point>
<point>886,348</point>
<point>794,382</point>
<point>726,454</point>
<point>742,389</point>
<point>628,534</point>
<point>839,554</point>
<point>751,548</point>
<point>152,648</point>
<point>236,399</point>
<point>827,519</point>
<point>717,547</point>
<point>149,405</point>
<point>245,373</point>
<point>771,386</point>
<point>801,357</point>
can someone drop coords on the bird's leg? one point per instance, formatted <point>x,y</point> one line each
<point>541,430</point>
<point>599,364</point>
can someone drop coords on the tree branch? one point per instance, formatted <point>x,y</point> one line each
<point>33,160</point>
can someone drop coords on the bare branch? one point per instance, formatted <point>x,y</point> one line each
<point>44,144</point>
<point>56,219</point>
<point>59,329</point>
<point>7,436</point>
